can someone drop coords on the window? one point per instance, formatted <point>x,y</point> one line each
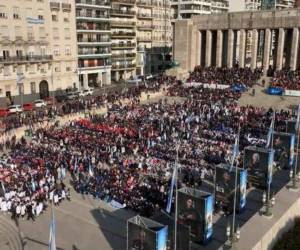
<point>56,33</point>
<point>40,17</point>
<point>30,33</point>
<point>4,32</point>
<point>54,18</point>
<point>56,50</point>
<point>6,70</point>
<point>5,54</point>
<point>18,32</point>
<point>68,69</point>
<point>42,32</point>
<point>19,53</point>
<point>67,33</point>
<point>3,12</point>
<point>16,13</point>
<point>68,50</point>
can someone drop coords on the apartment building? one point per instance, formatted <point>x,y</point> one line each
<point>268,4</point>
<point>38,48</point>
<point>198,7</point>
<point>94,44</point>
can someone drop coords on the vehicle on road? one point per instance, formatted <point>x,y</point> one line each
<point>13,109</point>
<point>28,107</point>
<point>4,112</point>
<point>86,92</point>
<point>40,103</point>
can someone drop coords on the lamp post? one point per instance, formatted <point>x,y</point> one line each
<point>267,204</point>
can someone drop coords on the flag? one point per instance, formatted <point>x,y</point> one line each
<point>52,243</point>
<point>3,188</point>
<point>173,183</point>
<point>271,130</point>
<point>91,173</point>
<point>298,119</point>
<point>75,165</point>
<point>235,151</point>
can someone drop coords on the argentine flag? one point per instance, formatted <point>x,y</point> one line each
<point>271,131</point>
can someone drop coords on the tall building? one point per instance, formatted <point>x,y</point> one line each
<point>38,48</point>
<point>189,8</point>
<point>269,4</point>
<point>94,44</point>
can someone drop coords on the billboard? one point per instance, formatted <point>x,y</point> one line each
<point>195,209</point>
<point>259,164</point>
<point>225,188</point>
<point>283,144</point>
<point>143,233</point>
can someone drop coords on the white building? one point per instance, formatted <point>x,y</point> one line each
<point>38,48</point>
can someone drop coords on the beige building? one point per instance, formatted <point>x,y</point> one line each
<point>38,48</point>
<point>220,40</point>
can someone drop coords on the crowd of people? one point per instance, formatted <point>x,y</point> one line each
<point>286,80</point>
<point>126,156</point>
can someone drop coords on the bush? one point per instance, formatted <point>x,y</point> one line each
<point>291,239</point>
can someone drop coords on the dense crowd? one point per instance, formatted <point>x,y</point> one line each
<point>126,156</point>
<point>286,79</point>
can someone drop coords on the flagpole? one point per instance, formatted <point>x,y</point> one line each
<point>176,199</point>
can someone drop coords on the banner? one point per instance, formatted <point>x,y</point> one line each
<point>283,144</point>
<point>274,91</point>
<point>259,164</point>
<point>292,92</point>
<point>243,189</point>
<point>206,85</point>
<point>208,228</point>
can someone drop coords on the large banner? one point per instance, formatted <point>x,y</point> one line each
<point>291,92</point>
<point>143,233</point>
<point>225,188</point>
<point>259,164</point>
<point>195,211</point>
<point>283,144</point>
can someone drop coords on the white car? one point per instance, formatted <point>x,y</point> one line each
<point>15,109</point>
<point>86,92</point>
<point>40,103</point>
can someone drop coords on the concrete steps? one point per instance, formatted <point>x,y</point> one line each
<point>10,237</point>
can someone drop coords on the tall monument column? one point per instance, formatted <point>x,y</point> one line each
<point>208,48</point>
<point>198,47</point>
<point>219,48</point>
<point>242,48</point>
<point>267,48</point>
<point>294,49</point>
<point>230,48</point>
<point>280,47</point>
<point>254,46</point>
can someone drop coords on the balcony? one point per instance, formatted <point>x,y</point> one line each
<point>124,2</point>
<point>144,16</point>
<point>95,4</point>
<point>145,4</point>
<point>66,7</point>
<point>92,42</point>
<point>145,27</point>
<point>129,13</point>
<point>54,6</point>
<point>123,56</point>
<point>92,17</point>
<point>144,39</point>
<point>26,59</point>
<point>123,67</point>
<point>91,55</point>
<point>122,34</point>
<point>116,46</point>
<point>122,24</point>
<point>96,29</point>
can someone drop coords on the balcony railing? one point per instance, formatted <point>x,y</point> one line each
<point>66,7</point>
<point>144,39</point>
<point>96,28</point>
<point>122,34</point>
<point>85,15</point>
<point>122,24</point>
<point>122,67</point>
<point>93,2</point>
<point>90,40</point>
<point>36,58</point>
<point>145,27</point>
<point>130,2</point>
<point>115,12</point>
<point>144,16</point>
<point>122,56</point>
<point>84,53</point>
<point>144,3</point>
<point>54,6</point>
<point>122,45</point>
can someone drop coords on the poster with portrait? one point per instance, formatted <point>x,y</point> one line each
<point>225,188</point>
<point>144,233</point>
<point>283,144</point>
<point>259,164</point>
<point>195,212</point>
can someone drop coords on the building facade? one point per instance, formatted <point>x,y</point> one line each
<point>94,44</point>
<point>38,49</point>
<point>187,9</point>
<point>213,40</point>
<point>269,4</point>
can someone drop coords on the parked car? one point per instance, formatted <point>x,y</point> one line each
<point>15,109</point>
<point>28,106</point>
<point>40,103</point>
<point>86,92</point>
<point>4,112</point>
